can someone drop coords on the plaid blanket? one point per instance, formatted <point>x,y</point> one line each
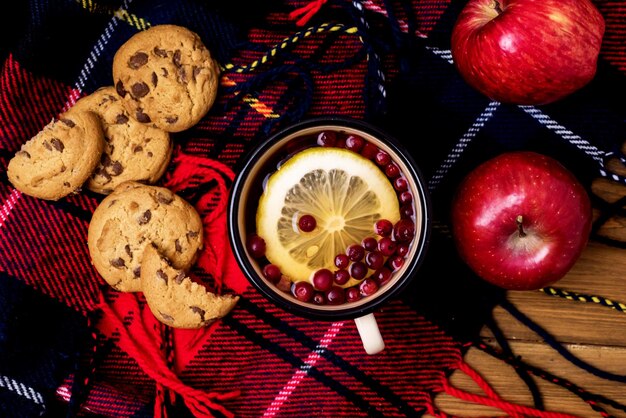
<point>69,345</point>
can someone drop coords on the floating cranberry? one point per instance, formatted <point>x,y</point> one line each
<point>358,270</point>
<point>323,279</point>
<point>319,298</point>
<point>327,139</point>
<point>400,184</point>
<point>387,246</point>
<point>355,252</point>
<point>392,171</point>
<point>402,250</point>
<point>369,243</point>
<point>382,275</point>
<point>352,294</point>
<point>342,261</point>
<point>302,291</point>
<point>368,286</point>
<point>382,158</point>
<point>396,262</point>
<point>374,260</point>
<point>383,227</point>
<point>272,273</point>
<point>354,143</point>
<point>256,246</point>
<point>341,277</point>
<point>336,296</point>
<point>307,223</point>
<point>405,197</point>
<point>404,230</point>
<point>369,151</point>
<point>406,211</point>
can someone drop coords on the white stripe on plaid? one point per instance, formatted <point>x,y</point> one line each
<point>582,144</point>
<point>381,76</point>
<point>460,146</point>
<point>21,389</point>
<point>94,55</point>
<point>576,140</point>
<point>301,373</point>
<point>7,207</point>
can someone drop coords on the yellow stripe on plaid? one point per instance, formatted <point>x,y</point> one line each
<point>285,43</point>
<point>123,15</point>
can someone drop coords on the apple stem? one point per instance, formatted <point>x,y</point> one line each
<point>520,228</point>
<point>496,6</point>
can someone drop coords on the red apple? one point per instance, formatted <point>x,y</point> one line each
<point>521,220</point>
<point>529,52</point>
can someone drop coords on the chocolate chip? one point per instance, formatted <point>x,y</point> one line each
<point>139,90</point>
<point>116,168</point>
<point>161,275</point>
<point>105,159</point>
<point>118,263</point>
<point>142,117</point>
<point>68,122</point>
<point>138,60</point>
<point>47,146</point>
<point>23,153</point>
<point>195,72</point>
<point>137,271</point>
<point>171,119</point>
<point>63,168</point>
<point>159,52</point>
<point>176,58</point>
<point>155,79</point>
<point>121,119</point>
<point>66,184</point>
<point>163,198</point>
<point>166,317</point>
<point>164,72</point>
<point>119,88</point>
<point>182,75</point>
<point>128,251</point>
<point>150,154</point>
<point>180,277</point>
<point>199,311</point>
<point>192,234</point>
<point>57,144</point>
<point>137,148</point>
<point>145,217</point>
<point>179,248</point>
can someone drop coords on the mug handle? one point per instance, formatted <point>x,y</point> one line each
<point>370,334</point>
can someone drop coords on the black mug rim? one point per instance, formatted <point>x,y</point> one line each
<point>238,246</point>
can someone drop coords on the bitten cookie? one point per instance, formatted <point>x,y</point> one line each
<point>166,77</point>
<point>175,299</point>
<point>60,158</point>
<point>130,218</point>
<point>133,151</point>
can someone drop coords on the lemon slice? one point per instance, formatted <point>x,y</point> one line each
<point>346,194</point>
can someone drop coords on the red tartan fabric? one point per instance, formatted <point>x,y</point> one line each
<point>260,360</point>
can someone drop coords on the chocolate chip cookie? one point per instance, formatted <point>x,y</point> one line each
<point>133,216</point>
<point>174,298</point>
<point>133,151</point>
<point>60,158</point>
<point>166,77</point>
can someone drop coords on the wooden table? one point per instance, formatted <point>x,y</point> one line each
<point>590,331</point>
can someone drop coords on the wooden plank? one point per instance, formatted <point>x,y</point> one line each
<point>600,271</point>
<point>503,379</point>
